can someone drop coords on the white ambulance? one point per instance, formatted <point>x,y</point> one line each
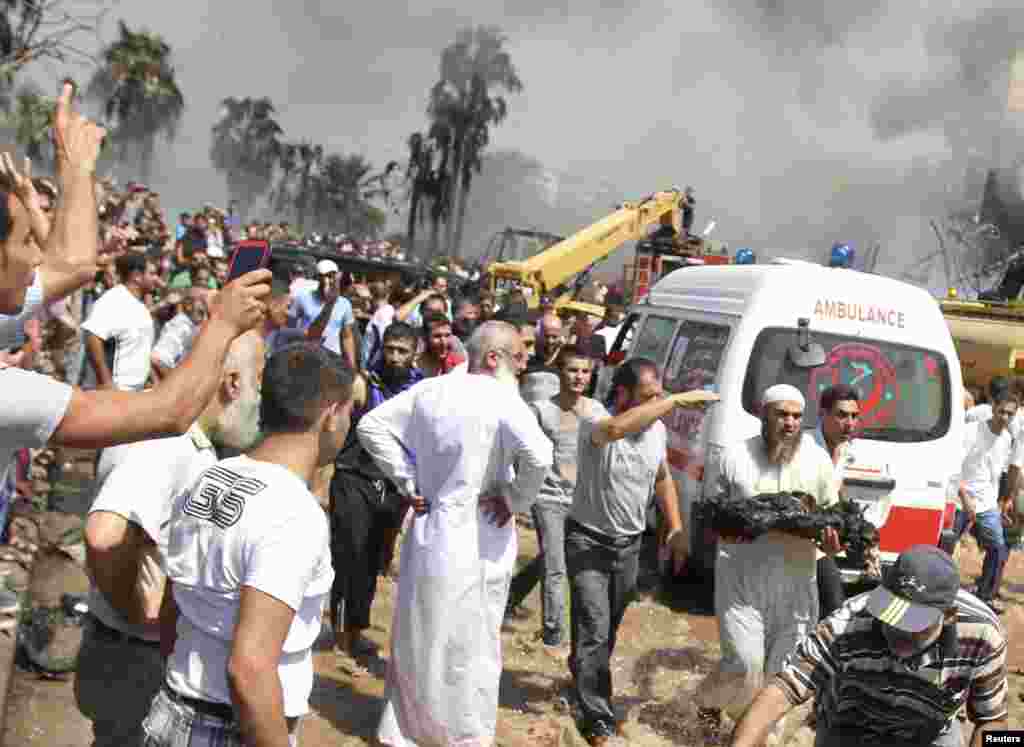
<point>737,329</point>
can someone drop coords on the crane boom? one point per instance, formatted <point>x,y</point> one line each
<point>561,262</point>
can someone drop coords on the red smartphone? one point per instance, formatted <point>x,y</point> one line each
<point>248,256</point>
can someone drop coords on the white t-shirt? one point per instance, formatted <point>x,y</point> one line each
<point>986,456</point>
<point>140,482</point>
<point>31,408</point>
<point>245,523</point>
<point>124,323</point>
<point>12,327</point>
<point>175,341</point>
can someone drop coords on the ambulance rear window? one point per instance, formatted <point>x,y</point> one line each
<point>904,391</point>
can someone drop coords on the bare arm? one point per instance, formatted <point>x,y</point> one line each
<point>263,623</point>
<point>107,417</point>
<point>769,706</point>
<point>637,419</point>
<point>406,309</point>
<point>113,547</point>
<point>98,359</point>
<point>168,621</point>
<point>348,345</point>
<point>978,739</point>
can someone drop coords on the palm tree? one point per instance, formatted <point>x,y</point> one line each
<point>136,84</point>
<point>299,183</point>
<point>246,147</point>
<point>30,119</point>
<point>418,175</point>
<point>471,67</point>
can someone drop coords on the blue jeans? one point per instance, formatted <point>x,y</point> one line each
<point>547,568</point>
<point>602,578</point>
<point>550,519</point>
<point>988,527</point>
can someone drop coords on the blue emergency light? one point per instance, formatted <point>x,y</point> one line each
<point>842,256</point>
<point>745,256</point>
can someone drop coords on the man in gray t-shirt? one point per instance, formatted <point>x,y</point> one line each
<point>559,418</point>
<point>621,465</point>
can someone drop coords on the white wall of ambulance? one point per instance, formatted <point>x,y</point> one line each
<point>725,327</point>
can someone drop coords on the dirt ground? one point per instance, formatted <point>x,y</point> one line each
<point>668,642</point>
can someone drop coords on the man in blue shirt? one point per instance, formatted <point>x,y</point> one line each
<point>330,312</point>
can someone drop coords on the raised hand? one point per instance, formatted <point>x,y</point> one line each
<point>241,303</point>
<point>76,139</point>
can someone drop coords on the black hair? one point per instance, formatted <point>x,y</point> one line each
<point>628,375</point>
<point>837,393</point>
<point>430,319</point>
<point>299,382</point>
<point>571,351</point>
<point>400,331</point>
<point>130,263</point>
<point>435,298</point>
<point>998,388</point>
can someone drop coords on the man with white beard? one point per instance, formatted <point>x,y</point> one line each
<point>766,595</point>
<point>451,443</point>
<point>120,668</point>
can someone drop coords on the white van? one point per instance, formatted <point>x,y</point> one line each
<point>732,329</point>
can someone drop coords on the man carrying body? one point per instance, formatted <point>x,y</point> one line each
<point>366,508</point>
<point>895,665</point>
<point>120,330</point>
<point>450,445</point>
<point>766,597</point>
<point>249,569</point>
<point>120,668</point>
<point>987,451</point>
<point>621,465</point>
<point>839,411</point>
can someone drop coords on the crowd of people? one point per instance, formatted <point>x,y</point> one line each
<point>264,442</point>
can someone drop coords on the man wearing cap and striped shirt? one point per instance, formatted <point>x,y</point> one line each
<point>766,594</point>
<point>895,665</point>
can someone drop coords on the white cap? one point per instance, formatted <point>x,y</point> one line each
<point>325,266</point>
<point>783,393</point>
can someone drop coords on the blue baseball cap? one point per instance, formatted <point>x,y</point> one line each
<point>921,585</point>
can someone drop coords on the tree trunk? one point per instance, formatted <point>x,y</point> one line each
<point>460,222</point>
<point>414,205</point>
<point>452,194</point>
<point>147,150</point>
<point>435,237</point>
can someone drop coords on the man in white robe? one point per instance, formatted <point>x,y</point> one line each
<point>468,454</point>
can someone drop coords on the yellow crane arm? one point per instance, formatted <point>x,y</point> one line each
<point>560,262</point>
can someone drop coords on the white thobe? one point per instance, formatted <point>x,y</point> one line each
<point>452,439</point>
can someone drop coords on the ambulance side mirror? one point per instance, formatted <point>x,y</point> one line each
<point>805,353</point>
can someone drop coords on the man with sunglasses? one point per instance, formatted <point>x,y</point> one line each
<point>839,413</point>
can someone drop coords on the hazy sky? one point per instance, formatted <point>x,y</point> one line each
<point>797,122</point>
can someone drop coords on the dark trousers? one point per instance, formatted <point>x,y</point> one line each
<point>602,579</point>
<point>360,534</point>
<point>830,587</point>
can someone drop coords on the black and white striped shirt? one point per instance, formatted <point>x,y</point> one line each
<point>861,686</point>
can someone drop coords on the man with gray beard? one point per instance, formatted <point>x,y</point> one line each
<point>766,595</point>
<point>120,667</point>
<point>467,453</point>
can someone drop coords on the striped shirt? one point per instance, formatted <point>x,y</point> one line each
<point>862,687</point>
